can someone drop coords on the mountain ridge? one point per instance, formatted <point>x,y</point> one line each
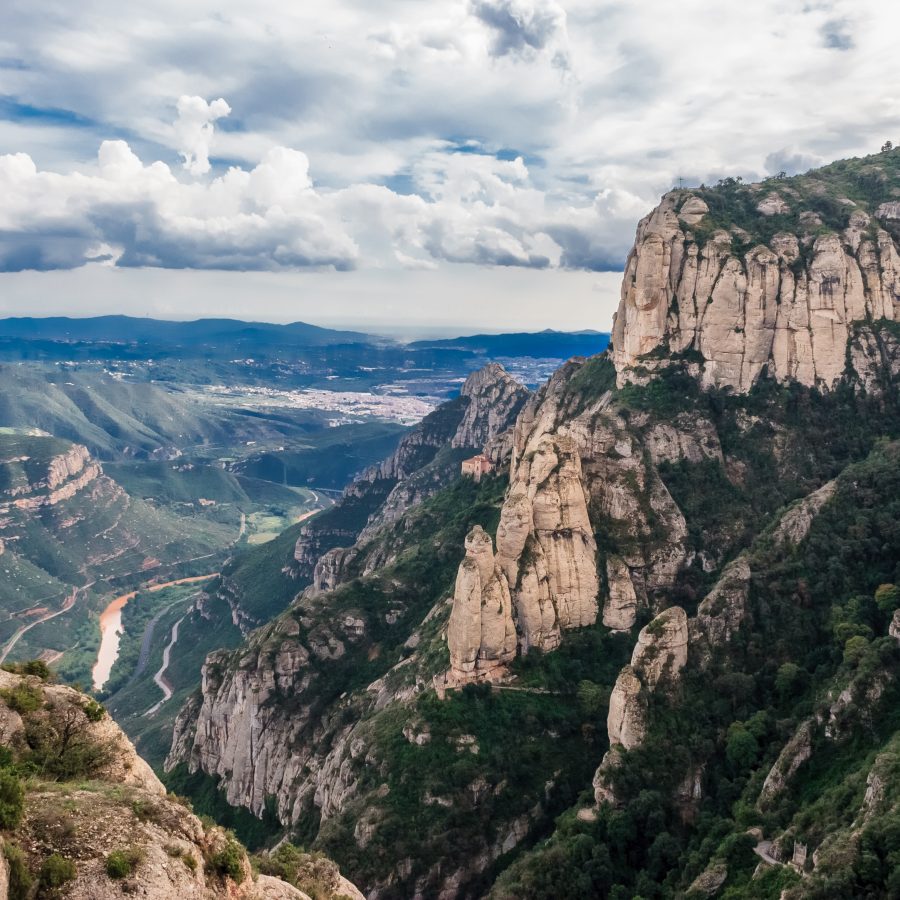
<point>618,612</point>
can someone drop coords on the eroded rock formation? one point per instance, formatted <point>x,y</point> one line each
<point>661,652</point>
<point>487,406</point>
<point>481,634</point>
<point>742,310</point>
<point>122,806</point>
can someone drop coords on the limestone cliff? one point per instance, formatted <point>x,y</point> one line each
<point>30,483</point>
<point>733,304</point>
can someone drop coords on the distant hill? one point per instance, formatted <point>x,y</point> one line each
<point>203,335</point>
<point>130,329</point>
<point>547,344</point>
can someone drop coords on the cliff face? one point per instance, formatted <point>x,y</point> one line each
<point>735,305</point>
<point>651,487</point>
<point>57,474</point>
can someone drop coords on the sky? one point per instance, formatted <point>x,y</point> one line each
<point>399,165</point>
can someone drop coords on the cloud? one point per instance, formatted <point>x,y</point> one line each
<point>836,35</point>
<point>377,95</point>
<point>791,161</point>
<point>465,208</point>
<point>522,27</point>
<point>141,215</point>
<point>194,130</point>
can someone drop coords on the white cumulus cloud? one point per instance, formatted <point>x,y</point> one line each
<point>194,130</point>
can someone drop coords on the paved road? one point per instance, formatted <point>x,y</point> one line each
<point>762,851</point>
<point>67,605</point>
<point>160,676</point>
<point>147,640</point>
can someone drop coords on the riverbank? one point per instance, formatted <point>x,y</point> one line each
<point>111,626</point>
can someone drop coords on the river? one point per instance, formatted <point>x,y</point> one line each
<point>111,627</point>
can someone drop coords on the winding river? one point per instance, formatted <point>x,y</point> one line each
<point>111,627</point>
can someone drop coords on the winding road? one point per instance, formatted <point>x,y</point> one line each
<point>111,626</point>
<point>68,603</point>
<point>160,676</point>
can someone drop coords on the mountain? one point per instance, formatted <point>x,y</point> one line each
<point>656,653</point>
<point>547,344</point>
<point>426,459</point>
<point>69,534</point>
<point>186,335</point>
<point>84,817</point>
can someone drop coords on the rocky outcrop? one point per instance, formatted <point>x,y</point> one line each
<point>894,627</point>
<point>546,546</point>
<point>330,568</point>
<point>733,313</point>
<point>66,474</point>
<point>661,653</point>
<point>662,647</point>
<point>724,609</point>
<point>796,752</point>
<point>626,721</point>
<point>495,399</point>
<point>487,406</point>
<point>794,525</point>
<point>620,608</point>
<point>116,805</point>
<point>481,634</point>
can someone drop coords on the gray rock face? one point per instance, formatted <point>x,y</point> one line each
<point>620,608</point>
<point>661,649</point>
<point>724,608</point>
<point>495,399</point>
<point>626,721</point>
<point>743,312</point>
<point>546,545</point>
<point>797,750</point>
<point>894,627</point>
<point>795,523</point>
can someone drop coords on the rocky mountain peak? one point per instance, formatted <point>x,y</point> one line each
<point>782,276</point>
<point>494,400</point>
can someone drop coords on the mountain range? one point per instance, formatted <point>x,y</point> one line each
<point>644,644</point>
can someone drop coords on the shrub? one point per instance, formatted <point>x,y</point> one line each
<point>228,861</point>
<point>12,801</point>
<point>23,698</point>
<point>94,711</point>
<point>855,649</point>
<point>185,856</point>
<point>121,863</point>
<point>887,598</point>
<point>62,745</point>
<point>55,871</point>
<point>312,873</point>
<point>31,667</point>
<point>20,880</point>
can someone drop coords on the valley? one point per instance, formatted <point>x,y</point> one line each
<point>619,655</point>
<point>555,557</point>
